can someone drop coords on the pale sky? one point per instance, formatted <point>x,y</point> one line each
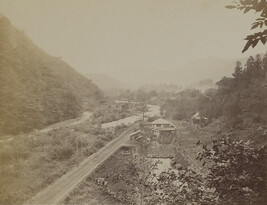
<point>102,36</point>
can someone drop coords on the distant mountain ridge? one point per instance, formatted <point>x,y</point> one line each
<point>184,75</point>
<point>105,82</point>
<point>37,89</point>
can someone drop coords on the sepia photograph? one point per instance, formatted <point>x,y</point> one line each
<point>133,102</point>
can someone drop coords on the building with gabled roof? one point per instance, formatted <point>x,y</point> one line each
<point>162,127</point>
<point>199,119</point>
<point>162,123</point>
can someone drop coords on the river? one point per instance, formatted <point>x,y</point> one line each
<point>153,110</point>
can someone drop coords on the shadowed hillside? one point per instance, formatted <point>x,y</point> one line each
<point>37,89</point>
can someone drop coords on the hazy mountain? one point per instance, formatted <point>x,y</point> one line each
<point>37,89</point>
<point>208,68</point>
<point>193,72</point>
<point>105,82</point>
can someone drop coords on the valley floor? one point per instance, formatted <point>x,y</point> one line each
<point>88,192</point>
<point>30,162</point>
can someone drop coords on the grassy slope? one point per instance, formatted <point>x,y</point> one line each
<point>31,162</point>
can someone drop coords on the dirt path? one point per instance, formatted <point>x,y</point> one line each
<point>56,192</point>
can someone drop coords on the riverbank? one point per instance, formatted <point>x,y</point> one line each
<point>153,111</point>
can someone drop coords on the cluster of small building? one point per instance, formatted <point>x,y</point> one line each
<point>162,127</point>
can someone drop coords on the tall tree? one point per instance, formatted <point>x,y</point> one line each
<point>238,70</point>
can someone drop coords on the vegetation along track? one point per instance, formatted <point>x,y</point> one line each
<point>56,192</point>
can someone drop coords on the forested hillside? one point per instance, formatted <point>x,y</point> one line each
<point>239,101</point>
<point>232,148</point>
<point>37,89</point>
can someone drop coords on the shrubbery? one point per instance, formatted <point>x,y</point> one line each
<point>110,112</point>
<point>37,159</point>
<point>236,175</point>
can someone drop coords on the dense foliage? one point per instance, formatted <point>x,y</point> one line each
<point>236,174</point>
<point>237,170</point>
<point>36,89</point>
<point>258,6</point>
<point>183,105</point>
<point>111,111</point>
<point>241,99</point>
